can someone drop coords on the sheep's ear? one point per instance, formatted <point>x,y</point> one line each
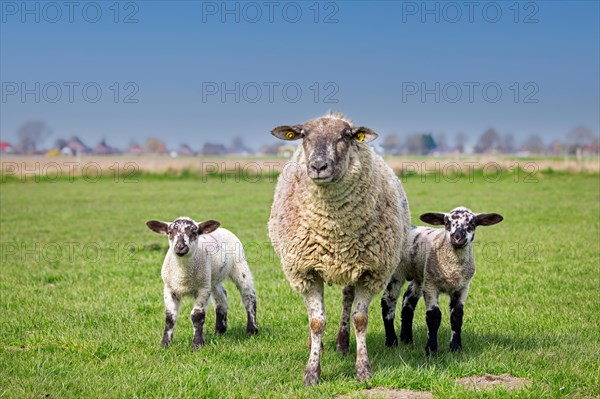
<point>364,134</point>
<point>288,133</point>
<point>208,226</point>
<point>433,218</point>
<point>158,226</point>
<point>488,219</point>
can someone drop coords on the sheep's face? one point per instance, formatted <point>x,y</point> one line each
<point>327,143</point>
<point>460,224</point>
<point>183,233</point>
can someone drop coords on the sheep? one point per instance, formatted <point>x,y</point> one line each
<point>199,258</point>
<point>438,261</point>
<point>339,216</point>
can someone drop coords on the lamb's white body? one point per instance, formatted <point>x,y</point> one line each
<point>196,265</point>
<point>216,256</point>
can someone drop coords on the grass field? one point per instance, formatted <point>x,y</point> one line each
<point>82,314</point>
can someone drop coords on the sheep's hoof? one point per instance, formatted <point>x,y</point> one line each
<point>166,342</point>
<point>455,346</point>
<point>363,370</point>
<point>342,342</point>
<point>311,376</point>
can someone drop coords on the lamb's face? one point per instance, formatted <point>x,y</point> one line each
<point>327,143</point>
<point>460,224</point>
<point>183,232</point>
<point>460,227</point>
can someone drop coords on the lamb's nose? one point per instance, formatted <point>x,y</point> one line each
<point>318,165</point>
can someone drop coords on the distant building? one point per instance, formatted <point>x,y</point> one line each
<point>214,149</point>
<point>186,150</point>
<point>6,148</point>
<point>135,149</point>
<point>75,146</point>
<point>104,149</point>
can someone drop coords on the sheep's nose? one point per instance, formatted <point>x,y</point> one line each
<point>318,165</point>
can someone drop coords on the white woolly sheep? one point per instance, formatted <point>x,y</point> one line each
<point>339,216</point>
<point>200,257</point>
<point>438,261</point>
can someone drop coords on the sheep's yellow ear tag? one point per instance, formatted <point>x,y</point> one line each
<point>360,136</point>
<point>290,135</point>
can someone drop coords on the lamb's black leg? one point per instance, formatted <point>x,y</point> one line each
<point>433,318</point>
<point>389,300</point>
<point>456,319</point>
<point>409,303</point>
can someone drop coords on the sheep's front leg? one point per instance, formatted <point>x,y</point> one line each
<point>389,300</point>
<point>457,301</point>
<point>360,317</point>
<point>313,299</point>
<point>409,303</point>
<point>342,341</point>
<point>172,302</point>
<point>219,295</point>
<point>198,316</point>
<point>433,317</point>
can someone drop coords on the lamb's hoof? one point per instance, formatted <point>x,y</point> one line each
<point>391,341</point>
<point>220,331</point>
<point>342,342</point>
<point>198,342</point>
<point>455,346</point>
<point>406,337</point>
<point>251,330</point>
<point>165,344</point>
<point>363,371</point>
<point>430,351</point>
<point>311,376</point>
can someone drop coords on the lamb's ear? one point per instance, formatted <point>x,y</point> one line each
<point>288,133</point>
<point>208,226</point>
<point>157,226</point>
<point>488,219</point>
<point>364,134</point>
<point>433,218</point>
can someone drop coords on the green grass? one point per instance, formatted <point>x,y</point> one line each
<point>81,296</point>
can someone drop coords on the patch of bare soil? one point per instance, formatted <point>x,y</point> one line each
<point>388,393</point>
<point>489,381</point>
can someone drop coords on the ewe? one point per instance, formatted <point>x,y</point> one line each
<point>339,216</point>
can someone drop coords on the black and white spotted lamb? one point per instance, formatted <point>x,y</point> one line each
<point>200,257</point>
<point>438,261</point>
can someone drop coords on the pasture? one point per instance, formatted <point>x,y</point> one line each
<point>81,307</point>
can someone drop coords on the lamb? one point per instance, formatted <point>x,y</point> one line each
<point>200,257</point>
<point>339,216</point>
<point>438,261</point>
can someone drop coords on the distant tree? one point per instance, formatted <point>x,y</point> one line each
<point>535,145</point>
<point>459,141</point>
<point>239,147</point>
<point>420,143</point>
<point>488,142</point>
<point>507,144</point>
<point>441,143</point>
<point>558,148</point>
<point>60,143</point>
<point>392,145</point>
<point>580,136</point>
<point>31,134</point>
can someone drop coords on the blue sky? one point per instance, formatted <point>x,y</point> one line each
<point>530,68</point>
